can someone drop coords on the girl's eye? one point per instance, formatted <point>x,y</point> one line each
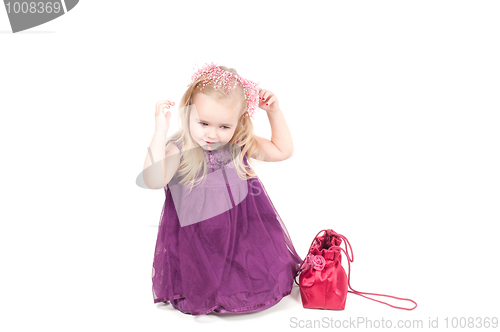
<point>203,123</point>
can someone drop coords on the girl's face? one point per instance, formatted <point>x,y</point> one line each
<point>212,122</point>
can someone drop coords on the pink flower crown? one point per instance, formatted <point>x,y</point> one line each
<point>211,72</point>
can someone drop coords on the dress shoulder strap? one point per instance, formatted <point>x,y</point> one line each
<point>178,145</point>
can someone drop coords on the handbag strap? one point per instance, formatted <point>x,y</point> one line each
<point>350,258</point>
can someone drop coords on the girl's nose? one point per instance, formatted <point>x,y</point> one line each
<point>211,134</point>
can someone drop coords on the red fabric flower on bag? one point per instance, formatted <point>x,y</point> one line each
<point>318,262</point>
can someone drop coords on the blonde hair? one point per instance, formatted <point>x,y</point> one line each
<point>193,160</point>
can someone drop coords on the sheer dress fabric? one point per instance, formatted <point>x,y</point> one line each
<point>223,250</point>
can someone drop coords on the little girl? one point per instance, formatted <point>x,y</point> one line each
<point>221,245</point>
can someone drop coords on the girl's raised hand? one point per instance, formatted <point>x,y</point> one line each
<point>162,119</point>
<point>268,101</point>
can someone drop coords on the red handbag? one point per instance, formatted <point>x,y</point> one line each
<point>323,282</point>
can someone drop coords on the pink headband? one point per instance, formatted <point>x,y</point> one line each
<point>211,72</point>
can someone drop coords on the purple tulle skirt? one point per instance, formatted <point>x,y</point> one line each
<point>241,260</point>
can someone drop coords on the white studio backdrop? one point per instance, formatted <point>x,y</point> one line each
<point>394,111</point>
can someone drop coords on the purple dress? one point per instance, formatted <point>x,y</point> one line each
<point>224,249</point>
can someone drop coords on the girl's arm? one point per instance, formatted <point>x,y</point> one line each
<point>158,172</point>
<point>161,161</point>
<point>280,147</point>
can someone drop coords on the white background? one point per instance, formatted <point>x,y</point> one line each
<point>394,111</point>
